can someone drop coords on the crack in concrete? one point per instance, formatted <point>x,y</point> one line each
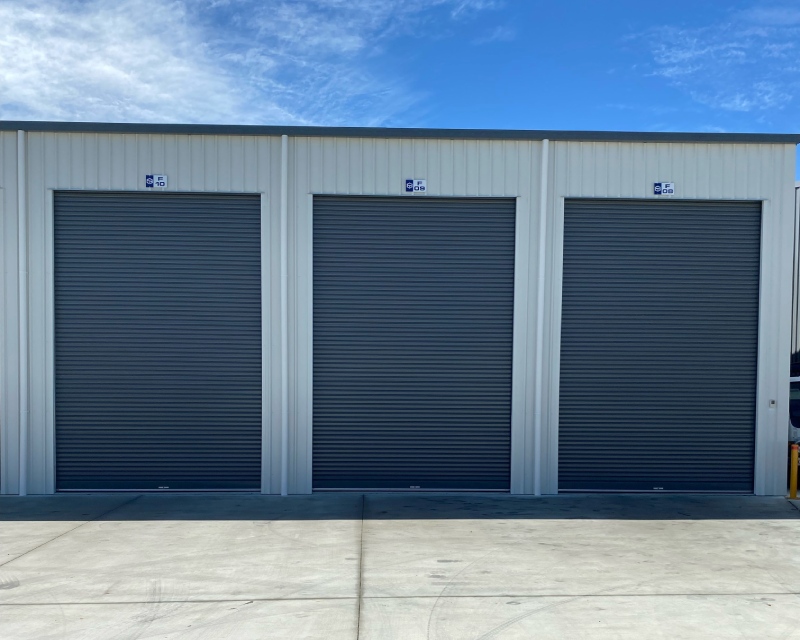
<point>360,568</point>
<point>61,535</point>
<point>424,597</point>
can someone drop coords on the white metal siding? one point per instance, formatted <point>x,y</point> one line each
<point>9,337</point>
<point>379,167</point>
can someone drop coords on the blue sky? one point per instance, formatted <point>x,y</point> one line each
<point>527,64</point>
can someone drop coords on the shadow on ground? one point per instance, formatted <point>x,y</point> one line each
<point>351,506</point>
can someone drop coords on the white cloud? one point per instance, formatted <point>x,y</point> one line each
<point>749,63</point>
<point>712,128</point>
<point>100,61</point>
<point>245,61</point>
<point>465,8</point>
<point>498,34</point>
<point>780,50</point>
<point>781,16</point>
<point>761,96</point>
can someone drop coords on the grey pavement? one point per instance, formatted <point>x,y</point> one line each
<point>385,566</point>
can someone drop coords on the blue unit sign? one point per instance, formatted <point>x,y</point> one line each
<point>416,186</point>
<point>155,180</point>
<point>664,188</point>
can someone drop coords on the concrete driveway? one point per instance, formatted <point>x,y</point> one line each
<point>342,566</point>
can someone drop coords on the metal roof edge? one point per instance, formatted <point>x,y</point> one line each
<point>380,132</point>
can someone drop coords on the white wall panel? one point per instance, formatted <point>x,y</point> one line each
<point>9,336</point>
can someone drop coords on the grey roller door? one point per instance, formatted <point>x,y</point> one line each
<point>157,341</point>
<point>413,306</point>
<point>659,345</point>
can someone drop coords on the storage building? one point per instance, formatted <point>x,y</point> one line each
<point>299,309</point>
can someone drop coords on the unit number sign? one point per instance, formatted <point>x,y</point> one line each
<point>155,180</point>
<point>416,186</point>
<point>663,188</point>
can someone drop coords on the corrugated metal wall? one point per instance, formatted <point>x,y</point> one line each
<point>379,167</point>
<point>9,336</point>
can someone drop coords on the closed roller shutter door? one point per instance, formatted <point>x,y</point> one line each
<point>413,305</point>
<point>659,345</point>
<point>157,341</point>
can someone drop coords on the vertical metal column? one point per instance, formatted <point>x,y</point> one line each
<point>22,249</point>
<point>284,315</point>
<point>540,314</point>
